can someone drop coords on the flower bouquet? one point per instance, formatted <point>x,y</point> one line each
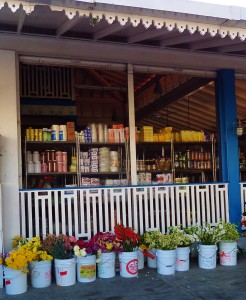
<point>61,248</point>
<point>128,256</point>
<point>126,237</point>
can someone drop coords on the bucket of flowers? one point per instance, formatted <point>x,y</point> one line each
<point>40,266</point>
<point>105,245</point>
<point>85,253</point>
<point>228,243</point>
<point>61,248</point>
<point>128,255</point>
<point>165,245</point>
<point>185,240</point>
<point>150,239</point>
<point>15,266</point>
<point>208,237</point>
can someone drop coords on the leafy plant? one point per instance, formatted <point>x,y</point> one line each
<point>184,238</point>
<point>209,235</point>
<point>230,231</point>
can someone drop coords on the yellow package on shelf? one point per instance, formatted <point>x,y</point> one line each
<point>155,137</point>
<point>161,137</point>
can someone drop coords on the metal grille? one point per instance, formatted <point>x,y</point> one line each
<point>38,81</point>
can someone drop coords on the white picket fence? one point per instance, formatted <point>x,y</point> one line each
<point>83,212</point>
<point>243,196</point>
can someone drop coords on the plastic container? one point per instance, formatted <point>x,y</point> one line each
<point>40,272</point>
<point>86,268</point>
<point>106,268</point>
<point>166,261</point>
<point>228,253</point>
<point>15,281</point>
<point>65,271</point>
<point>207,256</point>
<point>183,259</point>
<point>128,264</point>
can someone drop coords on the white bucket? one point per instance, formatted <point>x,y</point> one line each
<point>207,256</point>
<point>65,271</point>
<point>15,281</point>
<point>86,268</point>
<point>40,272</point>
<point>228,253</point>
<point>106,268</point>
<point>166,261</point>
<point>151,262</point>
<point>183,259</point>
<point>140,259</point>
<point>128,264</point>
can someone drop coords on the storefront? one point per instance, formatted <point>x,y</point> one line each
<point>114,57</point>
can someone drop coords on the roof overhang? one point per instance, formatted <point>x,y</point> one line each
<point>181,15</point>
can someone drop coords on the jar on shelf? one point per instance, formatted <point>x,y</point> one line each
<point>37,167</point>
<point>36,156</point>
<point>30,167</point>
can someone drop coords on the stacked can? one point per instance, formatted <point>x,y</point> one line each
<point>94,160</point>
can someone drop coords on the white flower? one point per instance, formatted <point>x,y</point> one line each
<point>76,248</point>
<point>98,260</point>
<point>82,252</point>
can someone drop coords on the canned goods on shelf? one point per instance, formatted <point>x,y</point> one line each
<point>58,156</point>
<point>44,168</point>
<point>49,166</point>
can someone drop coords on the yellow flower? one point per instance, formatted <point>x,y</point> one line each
<point>109,246</point>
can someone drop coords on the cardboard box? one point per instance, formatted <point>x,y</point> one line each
<point>70,131</point>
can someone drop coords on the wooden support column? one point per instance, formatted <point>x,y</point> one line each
<point>132,134</point>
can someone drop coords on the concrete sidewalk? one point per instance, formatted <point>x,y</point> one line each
<point>224,282</point>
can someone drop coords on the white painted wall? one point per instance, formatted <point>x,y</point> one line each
<point>9,130</point>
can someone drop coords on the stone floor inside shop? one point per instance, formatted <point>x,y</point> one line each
<point>223,282</point>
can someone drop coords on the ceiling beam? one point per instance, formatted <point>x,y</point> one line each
<point>67,25</point>
<point>181,91</point>
<point>99,51</point>
<point>21,20</point>
<point>148,84</point>
<point>103,81</point>
<point>181,39</point>
<point>146,35</point>
<point>233,48</point>
<point>212,43</point>
<point>111,29</point>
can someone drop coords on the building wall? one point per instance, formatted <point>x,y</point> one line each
<point>9,130</point>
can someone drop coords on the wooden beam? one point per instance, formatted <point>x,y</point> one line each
<point>110,29</point>
<point>181,91</point>
<point>67,25</point>
<point>103,81</point>
<point>146,35</point>
<point>21,20</point>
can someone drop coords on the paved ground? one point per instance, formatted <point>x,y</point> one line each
<point>224,282</point>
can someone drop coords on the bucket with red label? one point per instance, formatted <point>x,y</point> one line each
<point>65,271</point>
<point>128,264</point>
